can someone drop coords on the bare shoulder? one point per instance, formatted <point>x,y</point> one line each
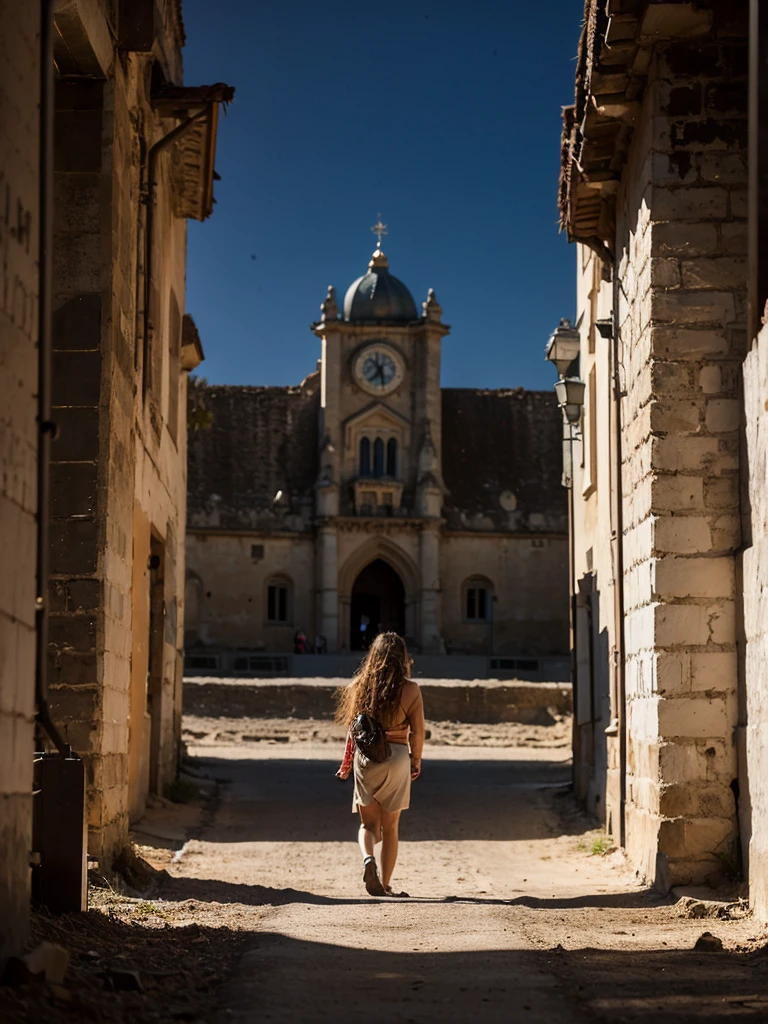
<point>411,692</point>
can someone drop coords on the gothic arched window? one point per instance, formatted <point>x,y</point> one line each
<point>392,457</point>
<point>378,457</point>
<point>365,457</point>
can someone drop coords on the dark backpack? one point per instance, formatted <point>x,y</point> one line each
<point>370,739</point>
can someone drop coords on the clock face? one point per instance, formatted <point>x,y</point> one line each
<point>378,369</point>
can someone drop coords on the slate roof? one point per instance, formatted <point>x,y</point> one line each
<point>505,446</point>
<point>262,440</point>
<point>502,460</point>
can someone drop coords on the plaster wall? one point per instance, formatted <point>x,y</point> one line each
<point>19,87</point>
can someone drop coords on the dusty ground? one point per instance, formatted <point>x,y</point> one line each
<point>203,732</point>
<point>262,914</point>
<point>510,917</point>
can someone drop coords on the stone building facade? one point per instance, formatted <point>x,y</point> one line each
<point>369,497</point>
<point>131,157</point>
<point>670,459</point>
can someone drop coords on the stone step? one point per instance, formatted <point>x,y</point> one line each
<point>444,700</point>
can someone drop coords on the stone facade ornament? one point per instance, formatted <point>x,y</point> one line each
<point>432,308</point>
<point>328,306</point>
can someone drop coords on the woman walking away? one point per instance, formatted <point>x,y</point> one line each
<point>382,690</point>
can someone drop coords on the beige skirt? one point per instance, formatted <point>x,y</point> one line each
<point>388,783</point>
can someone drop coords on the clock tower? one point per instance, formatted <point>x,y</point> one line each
<point>380,489</point>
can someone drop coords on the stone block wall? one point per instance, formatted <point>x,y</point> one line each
<point>19,87</point>
<point>754,576</point>
<point>116,450</point>
<point>682,274</point>
<point>78,527</point>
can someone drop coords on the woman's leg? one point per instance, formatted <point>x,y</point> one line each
<point>390,823</point>
<point>370,828</point>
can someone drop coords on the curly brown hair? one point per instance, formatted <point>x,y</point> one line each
<point>376,686</point>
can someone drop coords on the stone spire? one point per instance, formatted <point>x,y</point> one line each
<point>432,308</point>
<point>328,306</point>
<point>430,487</point>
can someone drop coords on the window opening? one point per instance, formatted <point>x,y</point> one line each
<point>378,457</point>
<point>392,457</point>
<point>277,602</point>
<point>365,457</point>
<point>478,601</point>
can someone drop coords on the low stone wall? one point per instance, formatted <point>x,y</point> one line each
<point>444,700</point>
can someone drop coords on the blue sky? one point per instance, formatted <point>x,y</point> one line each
<point>444,116</point>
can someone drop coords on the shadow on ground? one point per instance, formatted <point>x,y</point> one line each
<point>282,977</point>
<point>205,890</point>
<point>299,800</point>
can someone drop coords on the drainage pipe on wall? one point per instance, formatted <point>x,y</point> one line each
<point>46,428</point>
<point>154,153</point>
<point>619,583</point>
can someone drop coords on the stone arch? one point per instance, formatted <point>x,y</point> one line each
<point>380,548</point>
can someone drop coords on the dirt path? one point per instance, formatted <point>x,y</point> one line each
<point>510,917</point>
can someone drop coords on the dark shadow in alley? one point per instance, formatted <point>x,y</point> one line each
<point>282,976</point>
<point>205,890</point>
<point>295,800</point>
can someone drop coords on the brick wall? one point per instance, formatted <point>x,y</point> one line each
<point>19,71</point>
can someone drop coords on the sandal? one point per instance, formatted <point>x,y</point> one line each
<point>396,895</point>
<point>371,879</point>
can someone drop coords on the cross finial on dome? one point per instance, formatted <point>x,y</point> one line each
<point>379,230</point>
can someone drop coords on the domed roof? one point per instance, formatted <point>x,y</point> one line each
<point>378,295</point>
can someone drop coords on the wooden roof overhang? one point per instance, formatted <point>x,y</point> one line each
<point>194,152</point>
<point>614,55</point>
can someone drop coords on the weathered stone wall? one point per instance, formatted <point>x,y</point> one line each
<point>120,460</point>
<point>681,311</point>
<point>754,576</point>
<point>529,579</point>
<point>596,756</point>
<point>19,88</point>
<point>227,589</point>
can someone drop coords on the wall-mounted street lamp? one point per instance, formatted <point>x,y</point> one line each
<point>563,350</point>
<point>570,397</point>
<point>563,346</point>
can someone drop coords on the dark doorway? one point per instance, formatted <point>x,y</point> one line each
<point>378,604</point>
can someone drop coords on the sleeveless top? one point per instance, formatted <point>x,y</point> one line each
<point>399,733</point>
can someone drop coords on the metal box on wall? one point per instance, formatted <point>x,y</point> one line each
<point>59,834</point>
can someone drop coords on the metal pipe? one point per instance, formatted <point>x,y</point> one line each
<point>154,153</point>
<point>575,744</point>
<point>619,582</point>
<point>46,428</point>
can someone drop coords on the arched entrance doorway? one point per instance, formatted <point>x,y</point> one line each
<point>377,604</point>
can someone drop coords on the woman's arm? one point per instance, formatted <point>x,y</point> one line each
<point>415,715</point>
<point>348,759</point>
